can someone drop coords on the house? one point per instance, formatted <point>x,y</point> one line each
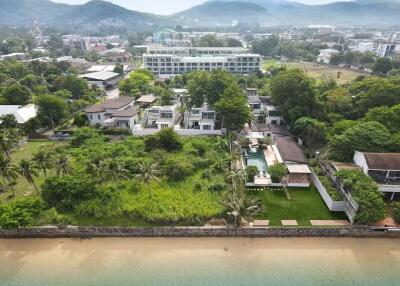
<point>21,113</point>
<point>200,118</point>
<point>103,79</point>
<point>15,56</point>
<point>180,92</point>
<point>252,91</point>
<point>114,113</point>
<point>288,152</point>
<point>384,168</point>
<point>273,115</point>
<point>160,117</point>
<point>146,100</point>
<point>325,55</point>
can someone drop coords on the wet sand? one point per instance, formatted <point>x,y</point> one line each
<point>189,261</point>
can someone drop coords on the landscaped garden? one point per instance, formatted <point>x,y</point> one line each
<point>305,204</point>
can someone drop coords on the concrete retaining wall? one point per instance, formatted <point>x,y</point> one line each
<point>334,206</point>
<point>89,232</point>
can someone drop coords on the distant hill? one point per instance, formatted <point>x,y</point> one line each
<point>222,12</point>
<point>89,16</point>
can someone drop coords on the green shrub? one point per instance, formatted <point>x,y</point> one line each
<point>177,169</point>
<point>251,172</point>
<point>51,216</point>
<point>19,213</point>
<point>396,211</point>
<point>66,192</point>
<point>93,208</point>
<point>217,187</point>
<point>277,171</point>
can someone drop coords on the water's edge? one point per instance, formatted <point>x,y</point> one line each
<point>92,232</point>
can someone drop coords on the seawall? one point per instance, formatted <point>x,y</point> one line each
<point>91,232</point>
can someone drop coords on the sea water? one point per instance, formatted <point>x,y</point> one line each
<point>202,261</point>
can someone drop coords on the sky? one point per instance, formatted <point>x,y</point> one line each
<point>166,7</point>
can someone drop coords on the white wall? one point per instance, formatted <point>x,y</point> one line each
<point>336,206</point>
<point>359,160</point>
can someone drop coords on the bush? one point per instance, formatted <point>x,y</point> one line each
<point>169,140</point>
<point>21,212</point>
<point>177,169</point>
<point>83,134</point>
<point>277,171</point>
<point>251,172</point>
<point>217,187</point>
<point>396,211</point>
<point>51,216</point>
<point>93,208</point>
<point>66,192</point>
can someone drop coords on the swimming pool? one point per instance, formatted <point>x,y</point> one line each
<point>256,159</point>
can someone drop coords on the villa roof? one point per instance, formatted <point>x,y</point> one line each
<point>129,112</point>
<point>113,103</point>
<point>383,161</point>
<point>100,76</point>
<point>150,98</point>
<point>289,150</point>
<point>298,169</point>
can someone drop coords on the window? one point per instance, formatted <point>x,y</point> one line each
<point>98,116</point>
<point>163,126</point>
<point>91,117</point>
<point>208,115</point>
<point>206,127</point>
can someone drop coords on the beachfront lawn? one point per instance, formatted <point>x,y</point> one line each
<point>306,204</point>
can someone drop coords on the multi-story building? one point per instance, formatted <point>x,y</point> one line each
<point>200,118</point>
<point>166,62</point>
<point>160,117</point>
<point>386,50</point>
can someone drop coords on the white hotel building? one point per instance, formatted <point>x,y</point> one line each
<point>165,62</point>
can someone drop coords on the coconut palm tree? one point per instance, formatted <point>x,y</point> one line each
<point>236,177</point>
<point>116,170</point>
<point>28,170</point>
<point>97,168</point>
<point>240,206</point>
<point>148,172</point>
<point>8,139</point>
<point>62,165</point>
<point>43,160</point>
<point>9,173</point>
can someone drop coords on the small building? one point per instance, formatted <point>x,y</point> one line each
<point>160,117</point>
<point>325,55</point>
<point>15,56</point>
<point>384,168</point>
<point>252,91</point>
<point>146,100</point>
<point>114,113</point>
<point>180,92</point>
<point>288,152</point>
<point>103,79</point>
<point>22,114</point>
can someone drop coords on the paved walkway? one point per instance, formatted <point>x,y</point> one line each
<point>289,222</point>
<point>329,222</point>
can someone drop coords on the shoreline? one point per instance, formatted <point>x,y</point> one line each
<point>249,232</point>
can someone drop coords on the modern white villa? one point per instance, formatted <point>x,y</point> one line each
<point>114,113</point>
<point>384,168</point>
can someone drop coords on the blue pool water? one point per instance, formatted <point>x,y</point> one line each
<point>257,159</point>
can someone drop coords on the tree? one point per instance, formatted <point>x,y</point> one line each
<point>240,206</point>
<point>266,47</point>
<point>197,86</point>
<point>62,165</point>
<point>28,170</point>
<point>43,160</point>
<point>311,130</point>
<point>8,121</point>
<point>51,109</point>
<point>66,192</point>
<point>148,172</point>
<point>8,172</point>
<point>116,170</point>
<point>17,94</point>
<point>232,109</point>
<point>166,139</point>
<point>251,172</point>
<point>137,80</point>
<point>294,93</point>
<point>396,211</point>
<point>19,213</point>
<point>382,66</point>
<point>8,140</point>
<point>388,116</point>
<point>230,42</point>
<point>210,41</point>
<point>277,172</point>
<point>365,137</point>
<point>76,86</point>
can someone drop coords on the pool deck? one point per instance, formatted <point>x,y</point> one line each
<point>269,155</point>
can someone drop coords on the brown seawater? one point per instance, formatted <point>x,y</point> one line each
<point>202,261</point>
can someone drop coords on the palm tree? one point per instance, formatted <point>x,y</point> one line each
<point>236,177</point>
<point>240,206</point>
<point>116,170</point>
<point>28,170</point>
<point>148,172</point>
<point>62,165</point>
<point>9,173</point>
<point>8,139</point>
<point>97,168</point>
<point>43,161</point>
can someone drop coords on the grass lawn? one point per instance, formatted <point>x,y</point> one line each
<point>306,204</point>
<point>23,188</point>
<point>267,63</point>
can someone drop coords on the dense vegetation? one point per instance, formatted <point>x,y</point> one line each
<point>175,181</point>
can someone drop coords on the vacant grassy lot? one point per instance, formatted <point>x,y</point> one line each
<point>319,71</point>
<point>23,188</point>
<point>305,204</point>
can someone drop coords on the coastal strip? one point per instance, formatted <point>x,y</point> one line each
<point>250,232</point>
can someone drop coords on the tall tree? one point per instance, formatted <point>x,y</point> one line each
<point>8,172</point>
<point>28,170</point>
<point>43,160</point>
<point>148,172</point>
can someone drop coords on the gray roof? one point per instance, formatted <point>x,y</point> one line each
<point>129,112</point>
<point>114,103</point>
<point>289,150</point>
<point>383,161</point>
<point>101,76</point>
